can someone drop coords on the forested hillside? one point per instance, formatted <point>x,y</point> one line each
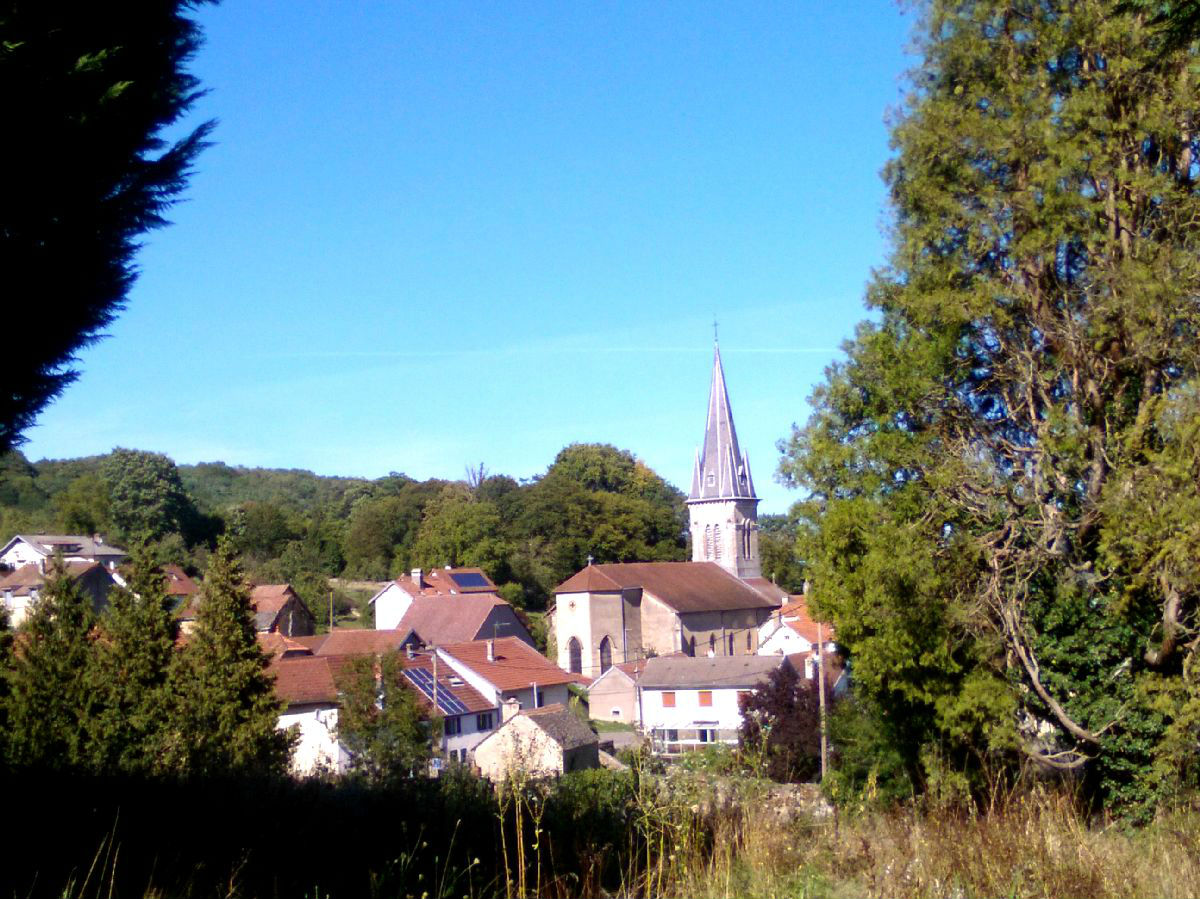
<point>297,526</point>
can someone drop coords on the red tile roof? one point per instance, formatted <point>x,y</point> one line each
<point>684,586</point>
<point>306,679</point>
<point>29,577</point>
<point>178,582</point>
<point>449,681</point>
<point>795,615</point>
<point>276,645</point>
<point>352,642</point>
<point>440,582</point>
<point>270,597</point>
<point>438,620</point>
<point>516,664</point>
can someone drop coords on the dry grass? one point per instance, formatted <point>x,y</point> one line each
<point>1035,846</point>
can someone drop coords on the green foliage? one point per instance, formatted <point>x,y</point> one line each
<point>993,466</point>
<point>84,507</point>
<point>781,727</point>
<point>49,700</point>
<point>146,496</point>
<point>379,722</point>
<point>89,89</point>
<point>777,551</point>
<point>462,531</point>
<point>225,705</point>
<point>128,676</point>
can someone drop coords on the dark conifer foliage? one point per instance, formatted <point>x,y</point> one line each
<point>50,703</point>
<point>87,89</point>
<point>225,705</point>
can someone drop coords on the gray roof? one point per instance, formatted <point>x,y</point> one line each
<point>686,672</point>
<point>722,470</point>
<point>70,544</point>
<point>562,726</point>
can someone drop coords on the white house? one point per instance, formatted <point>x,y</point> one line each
<point>38,549</point>
<point>394,599</point>
<point>467,715</point>
<point>307,684</point>
<point>687,703</point>
<point>508,668</point>
<point>793,632</point>
<point>20,589</point>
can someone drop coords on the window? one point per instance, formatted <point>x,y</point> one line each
<point>748,646</point>
<point>708,541</point>
<point>716,541</point>
<point>668,700</point>
<point>672,736</point>
<point>706,698</point>
<point>541,700</point>
<point>453,726</point>
<point>706,735</point>
<point>605,654</point>
<point>712,644</point>
<point>730,642</point>
<point>616,713</point>
<point>575,651</point>
<point>484,721</point>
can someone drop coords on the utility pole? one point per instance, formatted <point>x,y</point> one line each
<point>821,689</point>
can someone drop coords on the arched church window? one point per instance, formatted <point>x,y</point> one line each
<point>708,541</point>
<point>575,651</point>
<point>712,645</point>
<point>605,654</point>
<point>746,541</point>
<point>716,554</point>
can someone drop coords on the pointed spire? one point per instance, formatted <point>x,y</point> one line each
<point>722,470</point>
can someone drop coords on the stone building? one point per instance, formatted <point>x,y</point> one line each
<point>712,606</point>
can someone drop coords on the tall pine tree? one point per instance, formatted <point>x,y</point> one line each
<point>49,701</point>
<point>129,675</point>
<point>225,704</point>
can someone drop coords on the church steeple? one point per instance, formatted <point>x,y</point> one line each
<point>722,470</point>
<point>722,505</point>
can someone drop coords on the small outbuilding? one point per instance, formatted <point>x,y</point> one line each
<point>541,742</point>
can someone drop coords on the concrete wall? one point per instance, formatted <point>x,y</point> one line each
<point>614,698</point>
<point>572,618</point>
<point>390,605</point>
<point>660,626</point>
<point>739,627</point>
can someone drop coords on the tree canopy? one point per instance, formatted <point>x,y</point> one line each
<point>989,467</point>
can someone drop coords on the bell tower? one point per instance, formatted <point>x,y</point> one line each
<point>722,506</point>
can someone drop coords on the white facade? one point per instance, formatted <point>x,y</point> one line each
<point>556,693</point>
<point>18,608</point>
<point>317,749</point>
<point>390,605</point>
<point>678,717</point>
<point>778,638</point>
<point>462,733</point>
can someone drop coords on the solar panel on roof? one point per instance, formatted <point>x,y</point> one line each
<point>469,579</point>
<point>447,702</point>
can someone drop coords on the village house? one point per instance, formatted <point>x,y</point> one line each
<point>278,608</point>
<point>467,715</point>
<point>393,600</point>
<point>792,630</point>
<point>712,606</point>
<point>180,588</point>
<point>437,620</point>
<point>542,742</point>
<point>38,549</point>
<point>20,589</point>
<point>613,695</point>
<point>508,668</point>
<point>688,703</point>
<point>307,685</point>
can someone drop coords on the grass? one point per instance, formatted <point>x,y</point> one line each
<point>602,726</point>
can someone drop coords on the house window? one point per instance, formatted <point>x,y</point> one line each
<point>712,644</point>
<point>616,713</point>
<point>575,651</point>
<point>605,654</point>
<point>668,700</point>
<point>748,645</point>
<point>540,701</point>
<point>484,721</point>
<point>706,698</point>
<point>672,736</point>
<point>706,735</point>
<point>453,726</point>
<point>730,641</point>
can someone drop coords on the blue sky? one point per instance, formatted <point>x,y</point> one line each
<point>437,234</point>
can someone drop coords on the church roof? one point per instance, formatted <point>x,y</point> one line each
<point>684,586</point>
<point>722,470</point>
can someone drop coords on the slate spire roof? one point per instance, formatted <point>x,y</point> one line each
<point>722,470</point>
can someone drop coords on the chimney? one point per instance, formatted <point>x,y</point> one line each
<point>416,576</point>
<point>508,708</point>
<point>491,650</point>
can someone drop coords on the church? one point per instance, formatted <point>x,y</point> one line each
<point>609,614</point>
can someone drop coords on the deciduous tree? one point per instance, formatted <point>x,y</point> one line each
<point>380,723</point>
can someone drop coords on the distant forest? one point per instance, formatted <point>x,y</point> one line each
<point>290,525</point>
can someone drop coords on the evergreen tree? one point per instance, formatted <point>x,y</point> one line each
<point>379,722</point>
<point>974,463</point>
<point>49,702</point>
<point>129,675</point>
<point>225,705</point>
<point>88,89</point>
